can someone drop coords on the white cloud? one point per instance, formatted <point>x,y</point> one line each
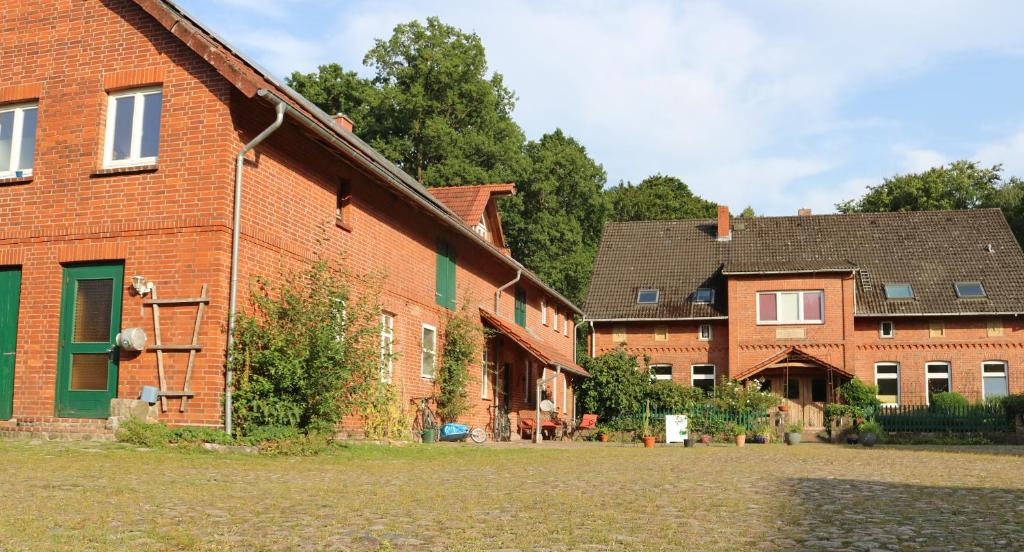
<point>1008,151</point>
<point>912,160</point>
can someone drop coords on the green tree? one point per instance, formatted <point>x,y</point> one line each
<point>336,90</point>
<point>748,212</point>
<point>553,224</point>
<point>657,197</point>
<point>959,185</point>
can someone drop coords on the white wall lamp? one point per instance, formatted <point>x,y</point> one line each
<point>141,286</point>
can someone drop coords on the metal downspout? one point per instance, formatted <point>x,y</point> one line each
<point>593,340</point>
<point>279,110</point>
<point>497,294</point>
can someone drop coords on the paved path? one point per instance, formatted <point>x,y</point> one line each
<point>591,497</point>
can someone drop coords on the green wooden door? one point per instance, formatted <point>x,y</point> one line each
<point>90,317</point>
<point>10,293</point>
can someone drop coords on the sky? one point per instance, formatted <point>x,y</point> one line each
<point>777,105</point>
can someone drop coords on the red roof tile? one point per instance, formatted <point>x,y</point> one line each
<point>469,202</point>
<point>540,350</point>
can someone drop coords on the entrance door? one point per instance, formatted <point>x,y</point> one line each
<point>90,317</point>
<point>806,397</point>
<point>10,293</point>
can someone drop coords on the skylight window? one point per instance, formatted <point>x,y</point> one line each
<point>647,297</point>
<point>969,289</point>
<point>704,295</point>
<point>899,291</point>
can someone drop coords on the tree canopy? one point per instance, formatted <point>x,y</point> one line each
<point>959,185</point>
<point>657,197</point>
<point>430,106</point>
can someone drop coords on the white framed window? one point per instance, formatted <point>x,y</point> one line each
<point>887,378</point>
<point>937,379</point>
<point>661,372</point>
<point>886,329</point>
<point>565,326</point>
<point>704,295</point>
<point>544,312</point>
<point>133,128</point>
<point>485,375</point>
<point>994,382</point>
<point>790,307</point>
<point>387,347</point>
<point>428,347</point>
<point>703,376</point>
<point>554,319</point>
<point>18,123</point>
<point>647,297</point>
<point>704,332</point>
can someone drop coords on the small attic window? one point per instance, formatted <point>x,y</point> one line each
<point>899,291</point>
<point>647,297</point>
<point>969,290</point>
<point>704,295</point>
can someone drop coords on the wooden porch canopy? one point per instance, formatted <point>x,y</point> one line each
<point>792,357</point>
<point>543,352</point>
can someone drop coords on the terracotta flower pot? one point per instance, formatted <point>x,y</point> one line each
<point>648,442</point>
<point>603,437</point>
<point>741,440</point>
<point>705,439</point>
<point>783,408</point>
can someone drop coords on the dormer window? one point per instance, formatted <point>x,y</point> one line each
<point>647,297</point>
<point>704,295</point>
<point>969,290</point>
<point>898,291</point>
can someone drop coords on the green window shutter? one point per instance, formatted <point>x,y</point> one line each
<point>451,278</point>
<point>521,307</point>
<point>445,275</point>
<point>441,286</point>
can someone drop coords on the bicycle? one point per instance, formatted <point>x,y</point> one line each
<point>424,416</point>
<point>500,424</point>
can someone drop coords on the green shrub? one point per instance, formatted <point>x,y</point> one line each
<point>142,434</point>
<point>196,435</point>
<point>668,396</point>
<point>306,354</point>
<point>744,397</point>
<point>461,347</point>
<point>949,401</point>
<point>262,434</point>
<point>1013,405</point>
<point>860,396</point>
<point>616,385</point>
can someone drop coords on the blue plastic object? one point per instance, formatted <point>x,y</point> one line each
<point>454,432</point>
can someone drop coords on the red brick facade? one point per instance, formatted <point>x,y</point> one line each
<point>171,222</point>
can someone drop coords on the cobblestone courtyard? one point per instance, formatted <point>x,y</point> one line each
<point>591,497</point>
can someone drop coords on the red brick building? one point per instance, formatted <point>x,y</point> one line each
<point>121,127</point>
<point>914,302</point>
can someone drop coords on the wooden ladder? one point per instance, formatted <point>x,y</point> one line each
<point>186,393</point>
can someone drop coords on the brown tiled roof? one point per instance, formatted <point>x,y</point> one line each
<point>929,250</point>
<point>469,202</point>
<point>540,350</point>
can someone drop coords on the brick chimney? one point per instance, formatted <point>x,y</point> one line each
<point>804,212</point>
<point>343,121</point>
<point>724,231</point>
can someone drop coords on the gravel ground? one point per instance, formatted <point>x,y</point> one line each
<point>464,497</point>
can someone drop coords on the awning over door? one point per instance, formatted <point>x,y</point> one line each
<point>543,352</point>
<point>792,357</point>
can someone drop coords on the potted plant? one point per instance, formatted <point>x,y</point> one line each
<point>739,433</point>
<point>869,433</point>
<point>762,432</point>
<point>645,427</point>
<point>602,434</point>
<point>783,407</point>
<point>794,431</point>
